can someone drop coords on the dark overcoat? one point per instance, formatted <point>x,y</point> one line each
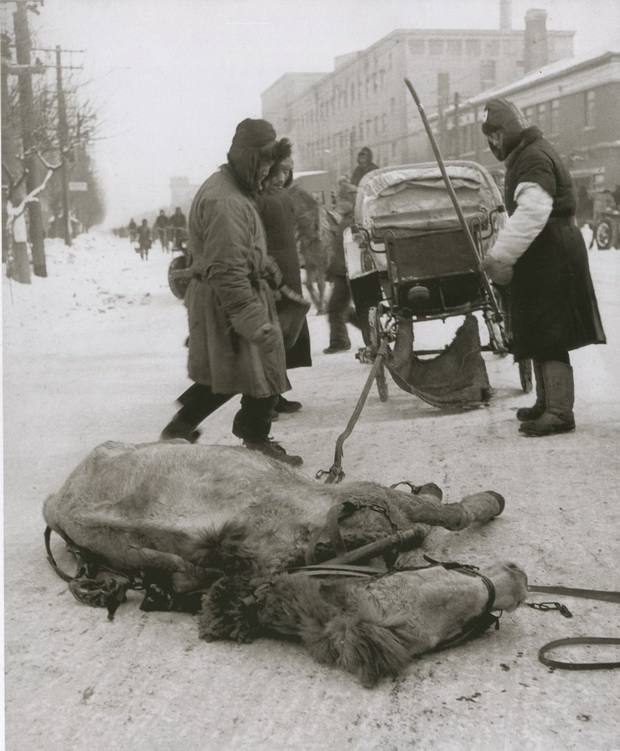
<point>229,299</point>
<point>553,304</point>
<point>277,211</point>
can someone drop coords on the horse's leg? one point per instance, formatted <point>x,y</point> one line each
<point>310,286</point>
<point>477,507</point>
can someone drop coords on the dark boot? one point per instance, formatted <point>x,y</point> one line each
<point>284,405</point>
<point>198,403</point>
<point>533,413</point>
<point>252,424</point>
<point>180,428</point>
<point>558,417</point>
<point>274,450</point>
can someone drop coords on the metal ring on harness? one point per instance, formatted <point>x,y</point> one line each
<point>589,640</point>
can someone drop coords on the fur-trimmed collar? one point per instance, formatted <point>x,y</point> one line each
<point>534,133</point>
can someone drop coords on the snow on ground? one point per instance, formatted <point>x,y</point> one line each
<point>95,352</point>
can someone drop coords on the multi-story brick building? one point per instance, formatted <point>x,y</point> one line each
<point>576,104</point>
<point>364,101</point>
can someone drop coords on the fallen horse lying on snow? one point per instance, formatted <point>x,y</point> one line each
<point>222,529</point>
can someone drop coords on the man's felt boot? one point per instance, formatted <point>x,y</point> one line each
<point>537,410</point>
<point>558,416</point>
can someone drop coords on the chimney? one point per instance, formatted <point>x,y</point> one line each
<point>505,15</point>
<point>535,47</point>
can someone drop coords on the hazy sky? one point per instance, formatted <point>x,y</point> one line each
<point>170,79</point>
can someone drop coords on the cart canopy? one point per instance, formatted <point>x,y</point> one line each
<point>413,198</point>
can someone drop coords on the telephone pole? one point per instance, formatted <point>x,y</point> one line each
<point>24,72</point>
<point>18,263</point>
<point>62,140</point>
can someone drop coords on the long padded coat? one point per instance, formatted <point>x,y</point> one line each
<point>277,211</point>
<point>229,299</point>
<point>553,304</point>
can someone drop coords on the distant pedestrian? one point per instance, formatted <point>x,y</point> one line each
<point>365,164</point>
<point>340,298</point>
<point>133,231</point>
<point>161,230</point>
<point>540,252</point>
<point>178,226</point>
<point>144,240</point>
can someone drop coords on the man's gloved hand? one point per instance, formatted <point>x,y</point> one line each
<point>267,337</point>
<point>498,272</point>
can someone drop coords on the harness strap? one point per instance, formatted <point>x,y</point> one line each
<point>47,536</point>
<point>479,623</point>
<point>590,594</point>
<point>589,640</point>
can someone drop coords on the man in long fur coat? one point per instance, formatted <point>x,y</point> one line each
<point>235,340</point>
<point>540,252</point>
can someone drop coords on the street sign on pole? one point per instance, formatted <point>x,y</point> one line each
<point>78,187</point>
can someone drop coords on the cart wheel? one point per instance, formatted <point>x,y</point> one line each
<point>525,374</point>
<point>605,235</point>
<point>373,329</point>
<point>375,341</point>
<point>381,381</point>
<point>497,338</point>
<point>178,286</point>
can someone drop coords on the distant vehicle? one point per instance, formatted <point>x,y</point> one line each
<point>607,230</point>
<point>319,183</point>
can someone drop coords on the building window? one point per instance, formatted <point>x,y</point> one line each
<point>435,46</point>
<point>530,115</point>
<point>492,48</point>
<point>455,47</point>
<point>487,74</point>
<point>554,124</point>
<point>590,109</point>
<point>473,47</point>
<point>417,46</point>
<point>542,117</point>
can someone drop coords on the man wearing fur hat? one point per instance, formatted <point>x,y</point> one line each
<point>235,340</point>
<point>541,253</point>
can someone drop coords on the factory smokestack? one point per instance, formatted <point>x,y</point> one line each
<point>535,46</point>
<point>505,15</point>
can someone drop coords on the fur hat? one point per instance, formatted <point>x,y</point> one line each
<point>283,150</point>
<point>502,116</point>
<point>253,134</point>
<point>253,144</point>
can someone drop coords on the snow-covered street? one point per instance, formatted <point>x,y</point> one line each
<point>95,352</point>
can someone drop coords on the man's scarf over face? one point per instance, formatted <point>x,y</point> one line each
<point>505,123</point>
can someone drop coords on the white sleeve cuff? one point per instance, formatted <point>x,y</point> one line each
<point>534,206</point>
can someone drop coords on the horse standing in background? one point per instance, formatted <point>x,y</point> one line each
<point>316,231</point>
